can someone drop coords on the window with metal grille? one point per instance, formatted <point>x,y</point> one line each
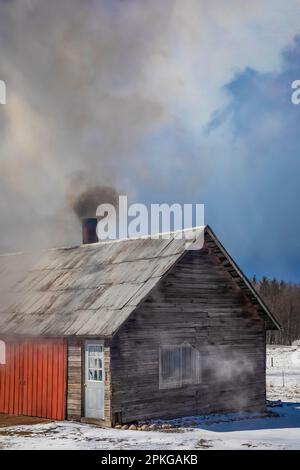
<point>178,366</point>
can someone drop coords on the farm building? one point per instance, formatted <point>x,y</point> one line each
<point>131,330</point>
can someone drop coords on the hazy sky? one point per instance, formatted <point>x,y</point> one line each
<point>169,101</point>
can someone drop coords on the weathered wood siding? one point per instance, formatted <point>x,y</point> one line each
<point>107,384</point>
<point>197,302</point>
<point>74,381</point>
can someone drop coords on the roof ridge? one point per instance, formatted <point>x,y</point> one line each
<point>152,236</point>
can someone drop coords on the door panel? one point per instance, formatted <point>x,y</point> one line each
<point>33,380</point>
<point>94,380</point>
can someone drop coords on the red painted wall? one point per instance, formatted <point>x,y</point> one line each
<point>33,380</point>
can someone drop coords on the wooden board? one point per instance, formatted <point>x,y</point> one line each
<point>197,303</point>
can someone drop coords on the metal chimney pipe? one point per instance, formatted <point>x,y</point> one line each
<point>89,230</point>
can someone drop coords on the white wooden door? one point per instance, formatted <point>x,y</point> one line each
<point>94,380</point>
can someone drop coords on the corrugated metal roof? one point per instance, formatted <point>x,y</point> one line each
<point>91,290</point>
<point>86,290</point>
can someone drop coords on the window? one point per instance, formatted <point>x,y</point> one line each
<point>95,366</point>
<point>178,366</point>
<point>2,353</point>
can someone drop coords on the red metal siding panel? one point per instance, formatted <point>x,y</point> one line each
<point>2,386</point>
<point>12,378</point>
<point>45,379</point>
<point>29,384</point>
<point>50,378</point>
<point>60,371</point>
<point>33,380</point>
<point>55,380</point>
<point>24,409</point>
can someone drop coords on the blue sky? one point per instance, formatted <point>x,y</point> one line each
<point>245,167</point>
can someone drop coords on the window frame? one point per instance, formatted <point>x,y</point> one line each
<point>93,368</point>
<point>196,367</point>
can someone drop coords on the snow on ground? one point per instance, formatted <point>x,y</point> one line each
<point>280,429</point>
<point>261,433</point>
<point>283,373</point>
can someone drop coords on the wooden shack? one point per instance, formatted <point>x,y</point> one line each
<point>131,330</point>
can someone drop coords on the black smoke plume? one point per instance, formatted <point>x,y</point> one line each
<point>86,202</point>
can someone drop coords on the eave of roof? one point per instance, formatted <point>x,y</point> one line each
<point>272,322</point>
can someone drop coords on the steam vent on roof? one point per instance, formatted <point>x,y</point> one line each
<point>89,230</point>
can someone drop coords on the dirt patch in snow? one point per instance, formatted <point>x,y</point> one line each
<point>11,420</point>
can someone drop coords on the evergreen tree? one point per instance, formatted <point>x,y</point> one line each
<point>283,300</point>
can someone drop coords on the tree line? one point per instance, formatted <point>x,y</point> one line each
<point>283,300</point>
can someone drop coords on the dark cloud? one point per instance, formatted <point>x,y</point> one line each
<point>122,92</point>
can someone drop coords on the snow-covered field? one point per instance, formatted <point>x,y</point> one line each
<point>283,373</point>
<point>232,431</point>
